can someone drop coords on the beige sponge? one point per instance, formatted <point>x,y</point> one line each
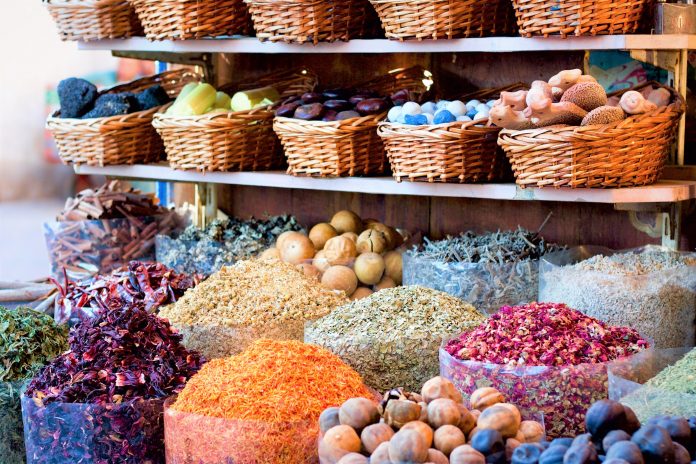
<point>587,95</point>
<point>603,115</point>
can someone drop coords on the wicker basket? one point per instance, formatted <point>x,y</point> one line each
<point>94,19</point>
<point>444,19</point>
<point>312,20</point>
<point>192,19</point>
<point>127,139</point>
<point>580,17</point>
<point>344,148</point>
<point>456,152</point>
<point>628,153</point>
<point>234,141</point>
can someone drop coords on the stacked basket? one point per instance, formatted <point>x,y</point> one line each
<point>349,147</point>
<point>628,153</point>
<point>94,19</point>
<point>123,139</point>
<point>455,152</point>
<point>231,141</point>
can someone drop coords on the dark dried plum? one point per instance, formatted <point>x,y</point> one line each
<point>526,453</point>
<point>581,454</point>
<point>347,115</point>
<point>553,455</point>
<point>287,110</point>
<point>309,112</point>
<point>626,450</point>
<point>338,105</point>
<point>329,115</point>
<point>605,416</point>
<point>488,442</point>
<point>632,422</point>
<point>614,436</point>
<point>677,427</point>
<point>337,94</point>
<point>655,444</point>
<point>311,97</point>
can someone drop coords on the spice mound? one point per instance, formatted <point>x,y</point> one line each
<point>260,406</point>
<point>544,357</point>
<point>488,270</point>
<point>246,302</point>
<point>222,243</point>
<point>28,340</point>
<point>672,389</point>
<point>392,337</point>
<point>651,289</point>
<point>104,398</point>
<point>148,285</point>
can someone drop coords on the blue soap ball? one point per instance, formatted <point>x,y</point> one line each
<point>415,119</point>
<point>428,118</point>
<point>472,104</point>
<point>428,107</point>
<point>471,113</point>
<point>442,104</point>
<point>482,108</point>
<point>490,103</point>
<point>411,108</point>
<point>464,118</point>
<point>394,113</point>
<point>456,107</point>
<point>444,117</point>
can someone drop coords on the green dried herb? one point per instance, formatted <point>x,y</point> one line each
<point>28,340</point>
<point>680,377</point>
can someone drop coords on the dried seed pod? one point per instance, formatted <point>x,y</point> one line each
<point>485,397</point>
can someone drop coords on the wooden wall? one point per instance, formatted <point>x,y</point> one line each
<point>455,74</point>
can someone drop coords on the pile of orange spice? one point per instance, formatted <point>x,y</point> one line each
<point>260,406</point>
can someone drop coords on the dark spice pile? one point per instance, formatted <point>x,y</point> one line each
<point>28,340</point>
<point>102,229</point>
<point>147,285</point>
<point>222,243</point>
<point>117,361</point>
<point>544,358</point>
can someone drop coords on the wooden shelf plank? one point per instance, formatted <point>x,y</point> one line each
<point>663,192</point>
<point>486,44</point>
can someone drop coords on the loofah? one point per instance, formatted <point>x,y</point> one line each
<point>660,97</point>
<point>539,92</point>
<point>557,93</point>
<point>508,118</point>
<point>568,78</point>
<point>544,113</point>
<point>633,102</point>
<point>516,100</point>
<point>587,95</point>
<point>647,90</point>
<point>603,115</point>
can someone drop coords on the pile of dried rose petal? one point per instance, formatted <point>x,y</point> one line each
<point>545,334</point>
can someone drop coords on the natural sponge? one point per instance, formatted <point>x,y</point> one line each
<point>587,95</point>
<point>152,97</point>
<point>76,97</point>
<point>633,102</point>
<point>603,115</point>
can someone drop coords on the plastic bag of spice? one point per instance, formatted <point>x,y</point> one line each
<point>194,438</point>
<point>125,433</point>
<point>650,289</point>
<point>487,286</point>
<point>656,382</point>
<point>85,248</point>
<point>563,394</point>
<point>11,432</point>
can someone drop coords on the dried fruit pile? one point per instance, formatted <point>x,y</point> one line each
<point>432,426</point>
<point>102,400</point>
<point>259,406</point>
<point>247,301</point>
<point>28,340</point>
<point>221,243</point>
<point>544,357</point>
<point>347,254</point>
<point>102,229</point>
<point>146,285</point>
<point>651,290</point>
<point>392,337</point>
<point>488,270</point>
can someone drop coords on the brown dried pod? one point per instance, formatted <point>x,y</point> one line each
<point>510,446</point>
<point>466,454</point>
<point>440,387</point>
<point>443,411</point>
<point>399,412</point>
<point>447,438</point>
<point>501,417</point>
<point>467,421</point>
<point>533,431</point>
<point>423,429</point>
<point>485,397</point>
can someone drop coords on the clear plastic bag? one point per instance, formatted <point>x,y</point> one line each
<point>487,286</point>
<point>196,439</point>
<point>660,305</point>
<point>125,433</point>
<point>218,341</point>
<point>85,248</point>
<point>203,256</point>
<point>628,376</point>
<point>11,430</point>
<point>562,394</point>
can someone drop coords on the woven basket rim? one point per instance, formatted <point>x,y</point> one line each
<point>163,118</point>
<point>83,3</point>
<point>369,120</point>
<point>293,2</point>
<point>677,106</point>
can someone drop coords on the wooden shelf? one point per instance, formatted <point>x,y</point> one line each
<point>487,44</point>
<point>663,192</point>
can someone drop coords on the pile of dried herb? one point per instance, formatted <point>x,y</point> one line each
<point>102,400</point>
<point>652,290</point>
<point>222,243</point>
<point>28,340</point>
<point>147,285</point>
<point>488,270</point>
<point>671,392</point>
<point>543,357</point>
<point>392,337</point>
<point>260,406</point>
<point>247,301</point>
